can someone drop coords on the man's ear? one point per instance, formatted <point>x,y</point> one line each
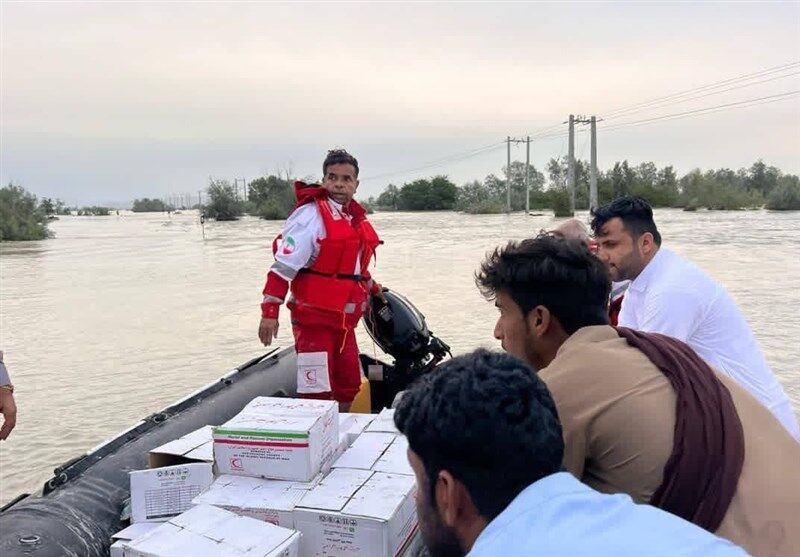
<point>647,243</point>
<point>539,320</point>
<point>453,500</point>
<point>357,183</point>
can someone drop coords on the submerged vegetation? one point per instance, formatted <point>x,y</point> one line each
<point>22,217</point>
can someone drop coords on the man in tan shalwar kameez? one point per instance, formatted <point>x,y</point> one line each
<point>618,410</point>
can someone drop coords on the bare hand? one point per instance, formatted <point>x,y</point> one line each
<point>267,330</point>
<point>8,408</point>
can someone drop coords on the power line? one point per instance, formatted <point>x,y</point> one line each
<point>739,104</point>
<point>717,84</point>
<point>674,98</point>
<point>439,162</point>
<point>678,101</point>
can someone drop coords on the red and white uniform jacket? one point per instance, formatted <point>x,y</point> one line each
<point>323,252</point>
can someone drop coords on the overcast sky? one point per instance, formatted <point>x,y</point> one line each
<point>106,102</point>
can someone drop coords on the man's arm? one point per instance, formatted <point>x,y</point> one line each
<point>373,286</point>
<point>295,250</point>
<point>8,407</point>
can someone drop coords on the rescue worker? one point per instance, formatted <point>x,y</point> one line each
<point>324,253</point>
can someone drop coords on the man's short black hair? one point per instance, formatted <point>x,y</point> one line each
<point>635,213</point>
<point>338,156</point>
<point>559,274</point>
<point>489,420</point>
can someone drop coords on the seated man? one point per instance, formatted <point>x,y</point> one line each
<point>672,296</point>
<point>642,413</point>
<point>486,448</point>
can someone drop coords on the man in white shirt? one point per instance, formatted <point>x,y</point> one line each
<point>486,447</point>
<point>672,296</point>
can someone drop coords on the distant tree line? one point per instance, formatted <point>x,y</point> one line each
<point>724,189</point>
<point>94,211</point>
<point>148,205</point>
<point>269,197</point>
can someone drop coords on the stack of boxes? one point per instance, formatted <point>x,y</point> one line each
<point>293,477</point>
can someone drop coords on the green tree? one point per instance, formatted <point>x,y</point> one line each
<point>94,211</point>
<point>560,201</point>
<point>272,197</point>
<point>223,204</point>
<point>472,194</point>
<point>148,205</point>
<point>61,208</point>
<point>435,194</point>
<point>389,197</point>
<point>518,190</point>
<point>786,194</point>
<point>47,206</point>
<point>762,178</point>
<point>21,217</point>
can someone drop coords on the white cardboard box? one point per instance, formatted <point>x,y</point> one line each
<point>266,500</point>
<point>196,446</point>
<point>365,451</point>
<point>353,424</point>
<point>394,459</point>
<point>121,540</point>
<point>278,438</point>
<point>206,531</point>
<point>357,513</point>
<point>160,493</point>
<point>383,422</point>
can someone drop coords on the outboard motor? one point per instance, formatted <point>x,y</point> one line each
<point>400,330</point>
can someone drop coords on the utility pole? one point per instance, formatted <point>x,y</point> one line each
<point>244,188</point>
<point>509,141</point>
<point>527,182</point>
<point>593,203</point>
<point>508,175</point>
<point>571,165</point>
<point>593,172</point>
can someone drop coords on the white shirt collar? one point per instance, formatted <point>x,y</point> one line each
<point>640,283</point>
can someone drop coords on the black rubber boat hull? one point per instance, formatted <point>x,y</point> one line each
<point>80,507</point>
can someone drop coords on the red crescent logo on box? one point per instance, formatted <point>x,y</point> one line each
<point>236,463</point>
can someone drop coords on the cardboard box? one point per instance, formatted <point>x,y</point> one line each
<point>353,424</point>
<point>160,493</point>
<point>383,422</point>
<point>394,459</point>
<point>365,451</point>
<point>196,446</point>
<point>121,540</point>
<point>207,531</point>
<point>278,438</point>
<point>358,513</point>
<point>266,500</point>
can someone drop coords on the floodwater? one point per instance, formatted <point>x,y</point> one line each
<point>117,317</point>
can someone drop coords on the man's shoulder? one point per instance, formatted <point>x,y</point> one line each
<point>680,276</point>
<point>303,215</point>
<point>610,524</point>
<point>587,351</point>
<point>597,356</point>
